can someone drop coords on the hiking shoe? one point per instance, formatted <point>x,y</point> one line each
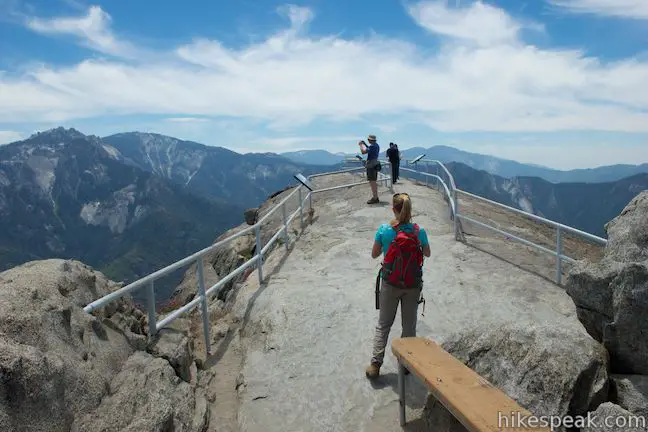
<point>373,370</point>
<point>373,201</point>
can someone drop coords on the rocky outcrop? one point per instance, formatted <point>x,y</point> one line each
<point>56,361</point>
<point>630,392</point>
<point>147,395</point>
<point>612,296</point>
<point>63,369</point>
<point>612,418</point>
<point>547,369</point>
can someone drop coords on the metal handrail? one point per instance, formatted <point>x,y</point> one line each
<point>202,298</point>
<point>554,224</point>
<point>560,228</point>
<point>437,162</point>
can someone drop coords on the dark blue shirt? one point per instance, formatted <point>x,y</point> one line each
<point>373,151</point>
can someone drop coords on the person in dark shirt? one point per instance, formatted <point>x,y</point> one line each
<point>372,151</point>
<point>394,161</point>
<point>399,156</point>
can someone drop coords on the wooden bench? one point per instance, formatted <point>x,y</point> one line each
<point>471,399</point>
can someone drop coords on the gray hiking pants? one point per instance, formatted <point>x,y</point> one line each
<point>390,296</point>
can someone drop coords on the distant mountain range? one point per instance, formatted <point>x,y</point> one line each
<point>316,157</point>
<point>212,172</point>
<point>585,206</point>
<point>127,204</point>
<point>67,195</point>
<point>493,165</point>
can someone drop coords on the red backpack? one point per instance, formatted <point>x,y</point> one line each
<point>403,263</point>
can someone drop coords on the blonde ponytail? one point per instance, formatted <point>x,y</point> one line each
<point>403,207</point>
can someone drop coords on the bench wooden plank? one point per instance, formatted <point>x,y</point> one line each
<point>469,397</point>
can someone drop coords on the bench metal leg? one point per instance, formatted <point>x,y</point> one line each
<point>401,392</point>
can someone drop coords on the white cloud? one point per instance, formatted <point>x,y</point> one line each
<point>294,143</point>
<point>637,9</point>
<point>93,29</point>
<point>483,78</point>
<point>187,119</point>
<point>7,137</point>
<point>479,22</point>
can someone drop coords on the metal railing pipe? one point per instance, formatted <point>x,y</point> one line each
<point>514,237</point>
<point>566,228</point>
<point>214,289</point>
<point>176,313</point>
<point>203,304</point>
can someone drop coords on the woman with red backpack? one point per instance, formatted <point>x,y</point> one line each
<point>403,245</point>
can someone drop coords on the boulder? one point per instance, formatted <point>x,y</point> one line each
<point>147,395</point>
<point>251,216</point>
<point>56,361</point>
<point>609,417</point>
<point>630,392</point>
<point>547,369</point>
<point>589,287</point>
<point>626,337</point>
<point>177,348</point>
<point>611,296</point>
<point>628,232</point>
<point>611,300</point>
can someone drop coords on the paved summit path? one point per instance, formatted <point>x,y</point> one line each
<point>308,332</point>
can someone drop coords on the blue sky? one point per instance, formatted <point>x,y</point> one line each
<point>562,83</point>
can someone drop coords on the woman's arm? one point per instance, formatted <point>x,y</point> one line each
<point>376,250</point>
<point>424,239</point>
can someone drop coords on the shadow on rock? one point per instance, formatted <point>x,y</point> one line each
<point>415,391</point>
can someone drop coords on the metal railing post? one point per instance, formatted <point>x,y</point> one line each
<point>259,254</point>
<point>285,223</point>
<point>301,209</point>
<point>558,255</point>
<point>203,301</point>
<point>152,317</point>
<point>310,200</point>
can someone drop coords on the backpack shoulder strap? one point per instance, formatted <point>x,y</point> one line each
<point>417,229</point>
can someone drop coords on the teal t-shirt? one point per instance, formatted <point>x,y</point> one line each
<point>386,235</point>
